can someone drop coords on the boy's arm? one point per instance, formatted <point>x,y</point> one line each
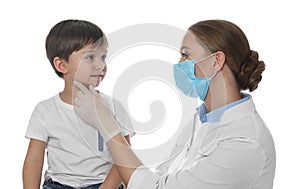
<point>33,164</point>
<point>113,179</point>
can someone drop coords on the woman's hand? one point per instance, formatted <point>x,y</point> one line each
<point>90,106</point>
<point>93,109</point>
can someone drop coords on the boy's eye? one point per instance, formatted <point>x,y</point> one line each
<point>90,57</point>
<point>103,57</point>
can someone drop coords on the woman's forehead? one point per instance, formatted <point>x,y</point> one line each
<point>191,42</point>
<point>188,39</point>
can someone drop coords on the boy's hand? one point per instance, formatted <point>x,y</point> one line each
<point>92,108</point>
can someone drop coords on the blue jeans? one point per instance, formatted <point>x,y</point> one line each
<point>49,184</point>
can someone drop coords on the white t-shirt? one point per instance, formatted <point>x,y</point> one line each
<point>73,153</point>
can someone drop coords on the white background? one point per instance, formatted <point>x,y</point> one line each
<point>26,76</point>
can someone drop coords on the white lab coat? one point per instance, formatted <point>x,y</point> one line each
<point>236,153</point>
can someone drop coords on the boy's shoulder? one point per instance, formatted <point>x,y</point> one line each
<point>47,102</point>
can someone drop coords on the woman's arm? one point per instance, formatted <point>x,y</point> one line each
<point>33,164</point>
<point>113,179</point>
<point>101,118</point>
<point>125,166</point>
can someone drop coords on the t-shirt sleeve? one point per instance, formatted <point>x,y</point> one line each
<point>37,124</point>
<point>123,119</point>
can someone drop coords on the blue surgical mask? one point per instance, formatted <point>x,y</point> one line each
<point>188,83</point>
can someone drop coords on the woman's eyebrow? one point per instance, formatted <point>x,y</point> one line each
<point>184,47</point>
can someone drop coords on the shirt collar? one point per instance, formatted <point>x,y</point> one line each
<point>215,115</point>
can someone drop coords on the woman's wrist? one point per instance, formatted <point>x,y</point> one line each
<point>128,161</point>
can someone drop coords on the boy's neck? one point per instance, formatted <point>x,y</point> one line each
<point>67,94</point>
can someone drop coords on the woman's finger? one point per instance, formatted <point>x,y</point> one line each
<point>81,87</point>
<point>91,88</point>
<point>79,95</point>
<point>76,103</point>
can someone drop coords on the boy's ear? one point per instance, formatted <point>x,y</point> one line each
<point>60,65</point>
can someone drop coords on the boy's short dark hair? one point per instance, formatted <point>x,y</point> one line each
<point>68,36</point>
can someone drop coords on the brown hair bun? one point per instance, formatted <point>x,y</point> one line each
<point>251,72</point>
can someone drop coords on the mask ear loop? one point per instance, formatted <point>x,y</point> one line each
<point>213,75</point>
<point>205,58</point>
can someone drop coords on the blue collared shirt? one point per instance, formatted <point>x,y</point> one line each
<point>215,115</point>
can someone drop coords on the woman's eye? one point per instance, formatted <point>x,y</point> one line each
<point>184,56</point>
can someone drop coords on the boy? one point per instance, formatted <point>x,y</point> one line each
<point>76,50</point>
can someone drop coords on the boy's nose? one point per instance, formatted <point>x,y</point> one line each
<point>99,64</point>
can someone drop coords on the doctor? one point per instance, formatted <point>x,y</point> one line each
<point>232,148</point>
